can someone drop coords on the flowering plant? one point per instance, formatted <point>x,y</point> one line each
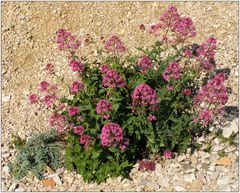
<point>123,104</point>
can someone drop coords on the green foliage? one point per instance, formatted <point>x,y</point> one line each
<point>95,163</point>
<point>35,154</point>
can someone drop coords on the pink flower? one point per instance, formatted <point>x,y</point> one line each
<point>103,106</point>
<point>143,95</point>
<point>104,68</point>
<point>205,116</point>
<point>58,120</point>
<point>43,86</point>
<point>124,144</point>
<point>146,165</point>
<point>112,79</point>
<point>111,134</point>
<point>114,44</point>
<point>211,98</point>
<point>76,66</point>
<point>76,86</point>
<point>170,87</point>
<point>167,154</point>
<point>187,92</point>
<point>172,71</point>
<point>145,63</point>
<point>206,53</point>
<point>78,129</point>
<point>49,100</point>
<point>73,111</point>
<point>65,40</point>
<point>33,98</point>
<point>85,140</point>
<point>79,118</point>
<point>152,118</point>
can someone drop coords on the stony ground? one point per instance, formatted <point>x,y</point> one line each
<point>27,45</point>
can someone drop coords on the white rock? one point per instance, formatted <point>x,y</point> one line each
<point>181,158</point>
<point>223,180</point>
<point>212,168</point>
<point>224,187</point>
<point>56,178</point>
<point>180,188</point>
<point>20,189</point>
<point>143,182</point>
<point>233,127</point>
<point>164,182</point>
<point>189,177</point>
<point>6,98</point>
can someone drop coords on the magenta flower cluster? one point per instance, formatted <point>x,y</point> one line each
<point>76,66</point>
<point>211,98</point>
<point>104,107</point>
<point>172,71</point>
<point>146,165</point>
<point>73,110</point>
<point>206,53</point>
<point>143,95</point>
<point>49,98</point>
<point>65,40</point>
<point>111,77</point>
<point>145,63</point>
<point>112,135</point>
<point>174,27</point>
<point>114,44</point>
<point>76,86</point>
<point>59,121</point>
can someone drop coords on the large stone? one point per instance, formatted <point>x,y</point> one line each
<point>224,161</point>
<point>228,130</point>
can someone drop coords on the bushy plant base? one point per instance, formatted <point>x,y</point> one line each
<point>122,104</point>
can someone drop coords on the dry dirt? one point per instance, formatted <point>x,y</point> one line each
<point>28,30</point>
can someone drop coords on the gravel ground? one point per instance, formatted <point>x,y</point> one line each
<point>27,45</point>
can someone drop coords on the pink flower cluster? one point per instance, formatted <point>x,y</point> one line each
<point>145,63</point>
<point>114,44</point>
<point>146,165</point>
<point>143,95</point>
<point>78,129</point>
<point>112,135</point>
<point>73,110</point>
<point>211,98</point>
<point>172,71</point>
<point>33,98</point>
<point>58,121</point>
<point>206,53</point>
<point>76,66</point>
<point>49,98</point>
<point>167,154</point>
<point>176,27</point>
<point>76,86</point>
<point>85,140</point>
<point>152,118</point>
<point>111,77</point>
<point>187,92</point>
<point>103,107</point>
<point>65,40</point>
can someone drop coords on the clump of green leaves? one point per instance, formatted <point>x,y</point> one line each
<point>95,163</point>
<point>35,154</point>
